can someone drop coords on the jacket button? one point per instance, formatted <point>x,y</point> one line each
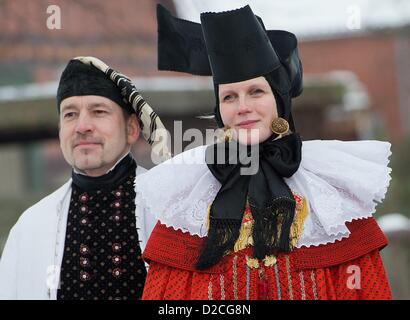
<point>84,197</point>
<point>84,249</point>
<point>117,273</point>
<point>84,276</point>
<point>84,221</point>
<point>116,247</point>
<point>84,262</point>
<point>116,260</point>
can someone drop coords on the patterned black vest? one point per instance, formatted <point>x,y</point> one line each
<point>102,256</point>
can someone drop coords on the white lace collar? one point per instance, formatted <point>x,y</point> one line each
<point>341,181</point>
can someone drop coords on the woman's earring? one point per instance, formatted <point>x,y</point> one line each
<point>280,126</point>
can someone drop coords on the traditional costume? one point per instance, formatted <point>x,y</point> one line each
<point>301,227</point>
<point>84,241</point>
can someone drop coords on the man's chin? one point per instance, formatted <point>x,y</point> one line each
<point>87,164</point>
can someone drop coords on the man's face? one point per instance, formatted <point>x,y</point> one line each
<point>94,134</point>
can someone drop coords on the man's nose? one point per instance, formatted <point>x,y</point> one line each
<point>84,123</point>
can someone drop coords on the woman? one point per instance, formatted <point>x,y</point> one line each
<point>300,226</point>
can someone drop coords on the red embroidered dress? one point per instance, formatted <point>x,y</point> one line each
<point>348,269</point>
<point>336,239</point>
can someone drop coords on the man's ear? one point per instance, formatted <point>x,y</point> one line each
<point>133,129</point>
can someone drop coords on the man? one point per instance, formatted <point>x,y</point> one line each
<point>84,241</point>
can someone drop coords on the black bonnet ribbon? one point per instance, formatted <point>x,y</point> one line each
<point>270,199</point>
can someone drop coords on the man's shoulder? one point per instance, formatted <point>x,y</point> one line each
<point>46,206</point>
<point>140,170</point>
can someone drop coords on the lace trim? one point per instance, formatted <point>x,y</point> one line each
<point>341,185</point>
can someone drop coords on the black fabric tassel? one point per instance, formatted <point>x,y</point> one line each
<point>222,236</point>
<point>271,229</point>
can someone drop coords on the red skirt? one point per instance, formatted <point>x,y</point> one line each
<point>348,269</point>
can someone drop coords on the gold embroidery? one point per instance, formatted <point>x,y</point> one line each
<point>270,261</point>
<point>210,288</point>
<point>312,277</point>
<point>302,285</point>
<point>245,234</point>
<point>245,238</point>
<point>296,228</point>
<point>248,280</point>
<point>252,263</point>
<point>277,282</point>
<point>289,277</point>
<point>235,278</point>
<point>208,217</point>
<point>222,284</point>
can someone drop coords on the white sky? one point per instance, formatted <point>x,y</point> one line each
<point>310,17</point>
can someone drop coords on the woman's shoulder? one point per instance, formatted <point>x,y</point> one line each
<point>342,181</point>
<point>179,191</point>
<point>338,181</point>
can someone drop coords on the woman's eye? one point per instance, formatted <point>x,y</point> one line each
<point>257,92</point>
<point>227,98</point>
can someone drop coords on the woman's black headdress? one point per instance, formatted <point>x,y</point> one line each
<point>234,46</point>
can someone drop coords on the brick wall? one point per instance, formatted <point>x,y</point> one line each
<point>373,59</point>
<point>122,32</point>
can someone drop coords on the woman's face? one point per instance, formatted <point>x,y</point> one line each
<point>248,108</point>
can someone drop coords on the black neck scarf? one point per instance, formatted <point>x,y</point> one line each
<point>106,181</point>
<point>270,199</point>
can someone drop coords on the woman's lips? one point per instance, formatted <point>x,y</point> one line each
<point>247,124</point>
